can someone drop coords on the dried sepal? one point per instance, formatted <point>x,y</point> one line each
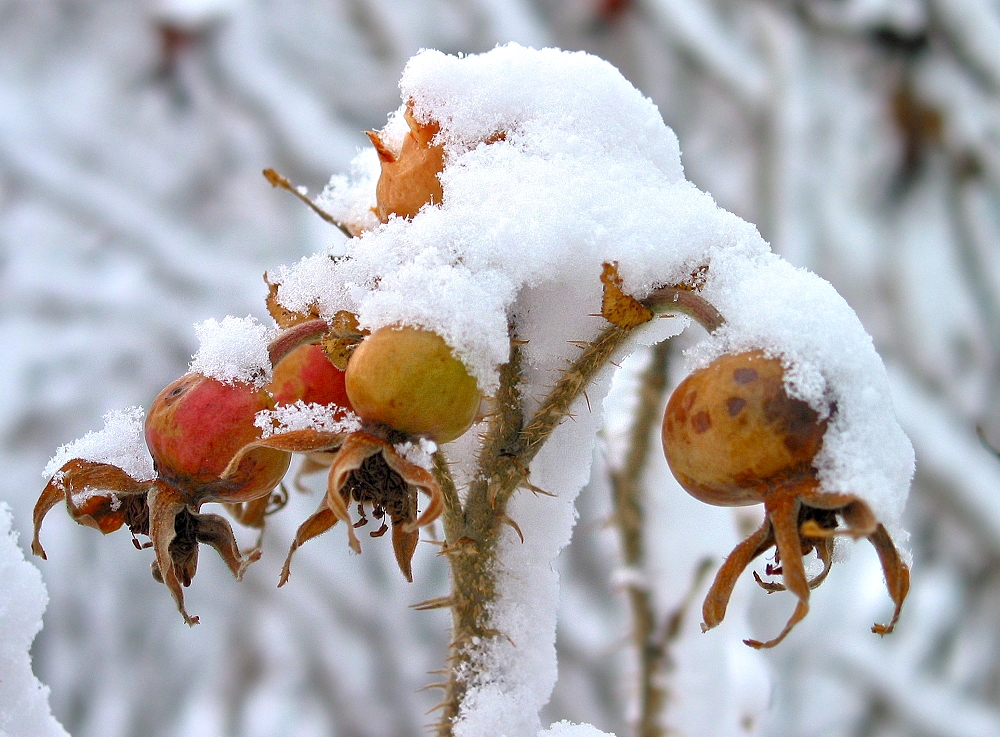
<point>95,495</point>
<point>281,315</point>
<point>305,440</point>
<point>897,576</point>
<point>713,611</point>
<point>345,334</point>
<point>618,308</point>
<point>254,513</point>
<point>215,531</point>
<point>783,515</point>
<point>368,469</point>
<point>165,505</point>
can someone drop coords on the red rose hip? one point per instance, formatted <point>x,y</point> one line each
<point>197,424</point>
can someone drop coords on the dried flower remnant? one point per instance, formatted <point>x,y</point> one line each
<point>364,467</point>
<point>409,180</point>
<point>733,436</point>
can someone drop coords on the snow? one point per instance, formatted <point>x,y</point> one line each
<point>347,197</point>
<point>303,416</point>
<point>568,729</point>
<point>234,350</point>
<point>419,453</point>
<point>24,702</point>
<point>120,443</point>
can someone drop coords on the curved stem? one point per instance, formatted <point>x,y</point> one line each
<point>678,299</point>
<point>291,338</point>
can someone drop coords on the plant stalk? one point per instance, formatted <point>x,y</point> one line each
<point>628,498</point>
<point>473,529</point>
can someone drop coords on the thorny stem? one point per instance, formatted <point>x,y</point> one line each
<point>627,497</point>
<point>472,530</point>
<point>471,535</point>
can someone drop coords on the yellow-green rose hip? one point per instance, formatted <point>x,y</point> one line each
<point>409,379</point>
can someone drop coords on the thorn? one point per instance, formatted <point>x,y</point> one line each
<point>508,521</point>
<point>535,490</point>
<point>462,546</point>
<point>516,341</point>
<point>440,602</point>
<point>499,633</point>
<point>443,685</point>
<point>579,343</point>
<point>440,705</point>
<point>588,400</point>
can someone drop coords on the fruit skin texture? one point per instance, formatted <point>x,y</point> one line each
<point>731,433</point>
<point>307,374</point>
<point>409,379</point>
<point>197,424</point>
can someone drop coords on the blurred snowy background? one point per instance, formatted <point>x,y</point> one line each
<point>861,136</point>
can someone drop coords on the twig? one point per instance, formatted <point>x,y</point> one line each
<point>276,180</point>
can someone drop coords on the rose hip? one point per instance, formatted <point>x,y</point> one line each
<point>409,379</point>
<point>197,424</point>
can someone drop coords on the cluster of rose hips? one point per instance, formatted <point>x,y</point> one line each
<point>401,383</point>
<point>731,434</point>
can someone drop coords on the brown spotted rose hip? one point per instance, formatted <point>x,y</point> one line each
<point>731,430</point>
<point>733,436</point>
